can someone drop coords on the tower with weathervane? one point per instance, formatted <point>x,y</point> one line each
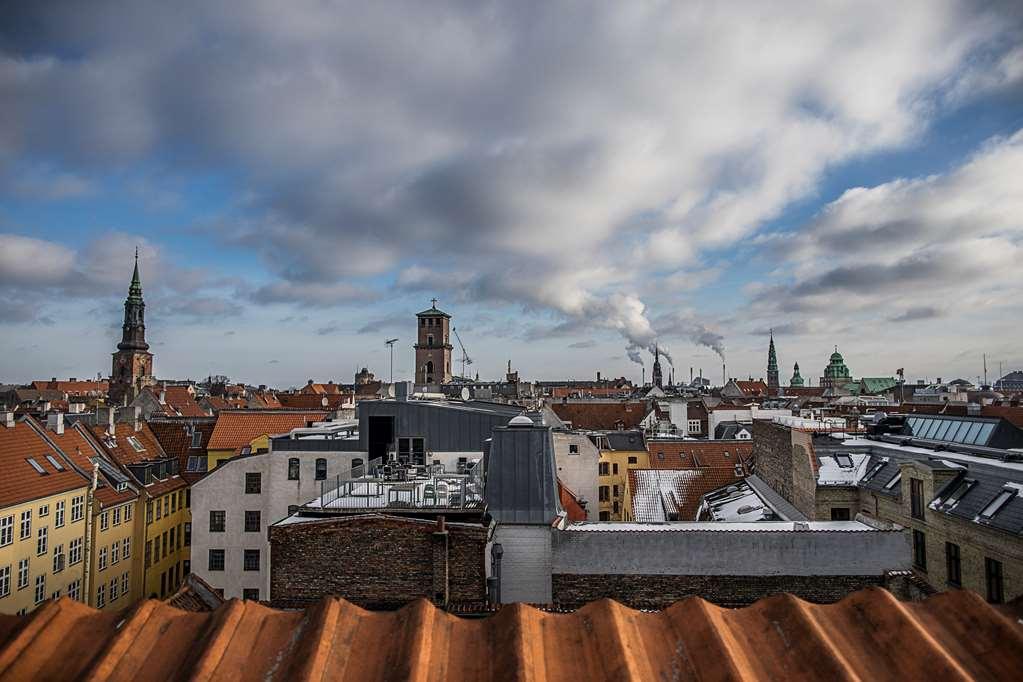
<point>133,363</point>
<point>433,347</point>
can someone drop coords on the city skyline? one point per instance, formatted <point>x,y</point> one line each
<point>301,182</point>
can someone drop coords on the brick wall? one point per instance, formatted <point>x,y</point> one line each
<point>772,453</point>
<point>975,541</point>
<point>377,562</point>
<point>660,591</point>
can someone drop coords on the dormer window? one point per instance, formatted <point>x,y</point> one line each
<point>196,438</point>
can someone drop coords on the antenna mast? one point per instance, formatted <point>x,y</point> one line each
<point>390,344</point>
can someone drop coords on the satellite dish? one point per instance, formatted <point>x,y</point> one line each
<point>390,390</point>
<point>465,393</point>
<point>324,401</point>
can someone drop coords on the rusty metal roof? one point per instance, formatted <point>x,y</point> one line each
<point>869,635</point>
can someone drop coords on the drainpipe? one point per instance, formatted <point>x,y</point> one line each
<point>496,552</point>
<point>90,527</point>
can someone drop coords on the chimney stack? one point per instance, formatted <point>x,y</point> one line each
<point>8,420</point>
<point>111,420</point>
<point>138,418</point>
<point>55,422</point>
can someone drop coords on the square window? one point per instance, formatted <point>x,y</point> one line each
<point>253,483</point>
<point>217,521</point>
<point>252,519</point>
<point>251,560</point>
<point>216,562</point>
<point>250,594</point>
<point>573,449</point>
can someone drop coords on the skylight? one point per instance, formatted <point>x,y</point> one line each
<point>873,470</point>
<point>844,460</point>
<point>35,465</point>
<point>56,464</point>
<point>134,442</point>
<point>997,503</point>
<point>894,482</point>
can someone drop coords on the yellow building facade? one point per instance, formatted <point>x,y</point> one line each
<point>615,500</point>
<point>167,553</point>
<point>115,581</point>
<point>42,550</point>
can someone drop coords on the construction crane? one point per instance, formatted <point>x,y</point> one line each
<point>466,360</point>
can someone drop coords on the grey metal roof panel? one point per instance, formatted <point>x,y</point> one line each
<point>773,498</point>
<point>521,486</point>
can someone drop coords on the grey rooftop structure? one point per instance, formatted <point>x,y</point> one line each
<point>521,484</point>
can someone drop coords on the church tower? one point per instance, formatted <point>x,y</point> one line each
<point>657,377</point>
<point>132,363</point>
<point>772,369</point>
<point>433,350</point>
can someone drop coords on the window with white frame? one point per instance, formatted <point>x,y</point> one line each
<point>104,520</point>
<point>117,516</point>
<point>5,580</point>
<point>127,512</point>
<point>42,539</point>
<point>115,552</point>
<point>6,530</point>
<point>77,508</point>
<point>74,552</point>
<point>101,596</point>
<point>103,558</point>
<point>114,594</point>
<point>40,595</point>
<point>44,510</point>
<point>74,590</point>
<point>124,583</point>
<point>22,574</point>
<point>26,524</point>
<point>126,548</point>
<point>56,595</point>
<point>694,426</point>
<point>58,514</point>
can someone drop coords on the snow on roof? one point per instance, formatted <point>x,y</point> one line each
<point>942,454</point>
<point>661,493</point>
<point>842,469</point>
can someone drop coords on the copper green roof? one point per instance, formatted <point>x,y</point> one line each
<point>873,385</point>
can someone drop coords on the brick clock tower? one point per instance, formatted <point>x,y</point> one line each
<point>433,349</point>
<point>133,363</point>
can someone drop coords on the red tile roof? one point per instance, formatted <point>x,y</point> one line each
<point>602,415</point>
<point>80,450</point>
<point>752,388</point>
<point>73,387</point>
<point>120,448</point>
<point>235,430</point>
<point>570,503</point>
<point>176,441</point>
<point>19,481</point>
<point>181,401</point>
<point>868,635</point>
<point>313,401</point>
<point>657,493</point>
<point>699,453</point>
<point>320,389</point>
<point>1012,414</point>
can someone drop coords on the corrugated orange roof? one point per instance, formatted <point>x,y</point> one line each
<point>235,430</point>
<point>868,635</point>
<point>19,482</point>
<point>685,454</point>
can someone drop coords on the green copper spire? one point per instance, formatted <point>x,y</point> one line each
<point>797,379</point>
<point>772,357</point>
<point>135,290</point>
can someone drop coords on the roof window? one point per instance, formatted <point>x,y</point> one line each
<point>996,504</point>
<point>38,467</point>
<point>873,470</point>
<point>844,461</point>
<point>894,482</point>
<point>56,464</point>
<point>134,442</point>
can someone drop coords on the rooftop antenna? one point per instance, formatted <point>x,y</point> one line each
<point>985,369</point>
<point>390,344</point>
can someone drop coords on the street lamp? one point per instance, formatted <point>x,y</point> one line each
<point>390,344</point>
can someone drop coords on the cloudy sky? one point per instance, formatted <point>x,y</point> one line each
<point>573,181</point>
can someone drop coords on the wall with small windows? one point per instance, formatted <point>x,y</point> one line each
<point>576,459</point>
<point>116,544</point>
<point>233,505</point>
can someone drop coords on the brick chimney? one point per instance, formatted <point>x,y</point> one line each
<point>8,420</point>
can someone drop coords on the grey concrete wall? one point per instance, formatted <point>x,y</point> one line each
<point>526,564</point>
<point>729,552</point>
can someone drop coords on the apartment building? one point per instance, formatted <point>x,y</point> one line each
<point>162,557</point>
<point>114,578</point>
<point>43,520</point>
<point>620,451</point>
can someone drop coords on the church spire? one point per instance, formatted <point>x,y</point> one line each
<point>772,366</point>
<point>135,290</point>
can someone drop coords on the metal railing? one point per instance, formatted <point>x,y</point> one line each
<point>392,487</point>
